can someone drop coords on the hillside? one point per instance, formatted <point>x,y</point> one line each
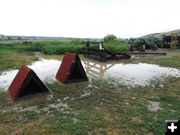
<point>165,33</point>
<point>10,37</point>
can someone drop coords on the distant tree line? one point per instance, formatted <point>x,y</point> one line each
<point>150,42</point>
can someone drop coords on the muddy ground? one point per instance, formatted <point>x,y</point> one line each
<point>104,105</point>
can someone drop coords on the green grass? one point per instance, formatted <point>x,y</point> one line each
<point>13,59</point>
<point>105,111</point>
<point>116,46</point>
<point>61,47</point>
<point>172,61</point>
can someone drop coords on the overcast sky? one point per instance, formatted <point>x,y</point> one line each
<point>88,18</point>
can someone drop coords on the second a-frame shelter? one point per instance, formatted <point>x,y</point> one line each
<point>25,83</point>
<point>71,69</point>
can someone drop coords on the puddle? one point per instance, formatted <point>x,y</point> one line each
<point>120,72</point>
<point>154,106</point>
<point>75,120</point>
<point>21,106</point>
<point>45,69</point>
<point>140,74</point>
<point>86,94</point>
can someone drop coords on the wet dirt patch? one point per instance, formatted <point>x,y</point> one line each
<point>85,94</point>
<point>63,107</point>
<point>154,106</point>
<point>116,73</point>
<point>33,104</point>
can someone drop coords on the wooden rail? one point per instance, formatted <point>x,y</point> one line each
<point>155,53</point>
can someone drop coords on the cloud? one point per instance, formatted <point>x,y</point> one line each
<point>88,18</point>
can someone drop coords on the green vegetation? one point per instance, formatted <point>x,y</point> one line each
<point>106,111</point>
<point>13,53</point>
<point>112,44</point>
<point>12,58</point>
<point>62,46</point>
<point>93,108</point>
<point>116,46</point>
<point>171,61</point>
<point>110,38</point>
<point>152,42</point>
<point>149,41</point>
<point>61,49</point>
<point>55,47</point>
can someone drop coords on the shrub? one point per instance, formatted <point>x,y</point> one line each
<point>116,46</point>
<point>110,38</point>
<point>150,42</point>
<point>61,49</point>
<point>77,42</point>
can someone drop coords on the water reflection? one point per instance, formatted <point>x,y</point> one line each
<point>96,69</point>
<point>116,72</point>
<point>141,74</point>
<point>45,69</point>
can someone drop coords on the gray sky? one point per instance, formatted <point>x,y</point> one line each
<point>88,18</point>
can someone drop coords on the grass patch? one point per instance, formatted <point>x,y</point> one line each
<point>172,61</point>
<point>61,46</point>
<point>61,49</point>
<point>13,59</point>
<point>116,46</point>
<point>106,110</point>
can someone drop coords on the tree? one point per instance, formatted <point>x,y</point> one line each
<point>110,38</point>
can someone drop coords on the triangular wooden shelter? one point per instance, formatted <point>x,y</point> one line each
<point>26,83</point>
<point>71,69</point>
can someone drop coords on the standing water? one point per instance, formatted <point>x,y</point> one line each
<point>117,72</point>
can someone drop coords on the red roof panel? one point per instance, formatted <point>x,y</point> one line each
<point>66,69</point>
<point>18,81</point>
<point>25,83</point>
